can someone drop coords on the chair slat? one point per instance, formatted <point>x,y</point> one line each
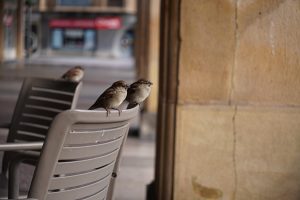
<point>81,171</point>
<point>92,127</point>
<point>48,104</point>
<point>98,196</point>
<point>80,179</point>
<point>82,137</point>
<point>38,111</point>
<point>32,129</point>
<point>69,153</point>
<point>85,165</point>
<point>55,84</point>
<point>78,193</point>
<point>35,120</point>
<point>31,138</point>
<point>51,95</point>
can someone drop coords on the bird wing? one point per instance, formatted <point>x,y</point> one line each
<point>108,94</point>
<point>103,98</point>
<point>133,88</point>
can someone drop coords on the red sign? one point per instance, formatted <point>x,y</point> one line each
<point>98,23</point>
<point>72,23</point>
<point>108,23</point>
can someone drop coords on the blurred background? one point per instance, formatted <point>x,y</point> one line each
<point>111,39</point>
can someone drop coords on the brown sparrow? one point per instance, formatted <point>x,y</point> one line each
<point>74,74</point>
<point>112,97</point>
<point>138,92</point>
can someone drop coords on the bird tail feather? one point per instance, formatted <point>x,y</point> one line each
<point>93,107</point>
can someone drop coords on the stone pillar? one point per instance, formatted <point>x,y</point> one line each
<point>238,111</point>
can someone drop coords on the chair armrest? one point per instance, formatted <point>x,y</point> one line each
<point>5,125</point>
<point>21,146</point>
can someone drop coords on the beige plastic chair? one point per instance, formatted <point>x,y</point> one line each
<point>80,156</point>
<point>39,101</point>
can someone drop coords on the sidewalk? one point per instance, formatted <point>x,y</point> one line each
<point>115,63</point>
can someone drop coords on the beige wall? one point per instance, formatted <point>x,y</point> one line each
<point>238,113</point>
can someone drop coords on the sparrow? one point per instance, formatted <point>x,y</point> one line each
<point>138,92</point>
<point>74,74</point>
<point>112,97</point>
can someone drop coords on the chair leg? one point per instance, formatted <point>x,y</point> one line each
<point>111,187</point>
<point>13,179</point>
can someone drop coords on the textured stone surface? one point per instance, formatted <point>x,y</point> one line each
<point>207,50</point>
<point>245,52</point>
<point>267,153</point>
<point>267,66</point>
<point>256,146</point>
<point>204,153</point>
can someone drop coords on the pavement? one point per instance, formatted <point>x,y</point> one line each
<point>137,164</point>
<point>120,63</point>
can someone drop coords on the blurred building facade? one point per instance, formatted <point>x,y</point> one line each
<point>67,27</point>
<point>85,27</point>
<point>95,28</point>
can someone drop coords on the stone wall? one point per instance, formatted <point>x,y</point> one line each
<point>238,113</point>
<point>154,54</point>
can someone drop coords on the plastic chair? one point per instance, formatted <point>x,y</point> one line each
<point>39,101</point>
<point>80,156</point>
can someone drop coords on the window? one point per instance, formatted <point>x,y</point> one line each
<point>89,40</point>
<point>57,39</point>
<point>73,39</point>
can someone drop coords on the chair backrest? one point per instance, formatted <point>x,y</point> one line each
<point>39,101</point>
<point>79,155</point>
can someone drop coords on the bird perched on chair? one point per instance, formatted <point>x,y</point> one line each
<point>112,97</point>
<point>74,74</point>
<point>138,92</point>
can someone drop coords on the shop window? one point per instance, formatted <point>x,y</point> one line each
<point>115,3</point>
<point>57,39</point>
<point>89,40</point>
<point>127,43</point>
<point>74,39</point>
